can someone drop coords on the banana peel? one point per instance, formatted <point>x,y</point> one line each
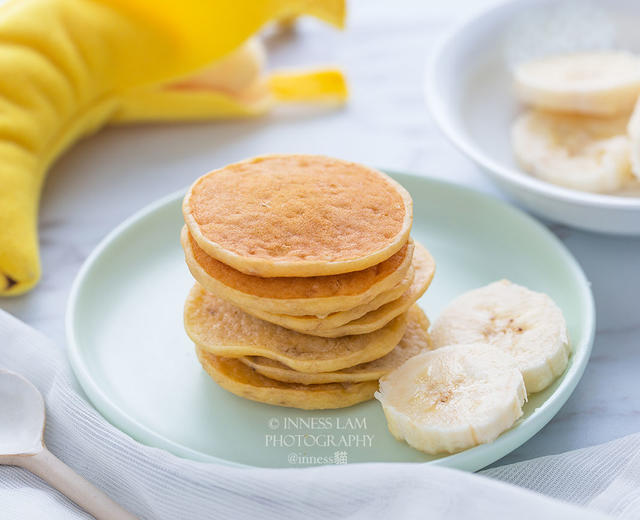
<point>73,66</point>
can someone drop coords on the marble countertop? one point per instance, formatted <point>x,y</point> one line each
<point>109,176</point>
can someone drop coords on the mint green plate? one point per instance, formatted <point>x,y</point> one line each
<point>133,359</point>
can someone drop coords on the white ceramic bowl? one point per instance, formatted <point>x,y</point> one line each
<point>468,90</point>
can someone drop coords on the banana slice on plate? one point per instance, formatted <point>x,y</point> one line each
<point>525,324</point>
<point>601,83</point>
<point>452,398</point>
<point>579,152</point>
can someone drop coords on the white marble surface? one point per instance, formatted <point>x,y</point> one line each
<point>111,175</point>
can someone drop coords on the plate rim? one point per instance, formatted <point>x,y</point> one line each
<point>471,459</point>
<point>512,175</point>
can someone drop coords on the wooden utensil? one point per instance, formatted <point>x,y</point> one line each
<point>22,421</point>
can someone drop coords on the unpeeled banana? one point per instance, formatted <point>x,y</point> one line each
<point>72,66</point>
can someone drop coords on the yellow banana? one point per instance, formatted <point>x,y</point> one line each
<point>68,67</point>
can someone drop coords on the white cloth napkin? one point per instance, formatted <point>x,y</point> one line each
<point>154,484</point>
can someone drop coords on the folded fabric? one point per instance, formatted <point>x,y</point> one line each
<point>154,484</point>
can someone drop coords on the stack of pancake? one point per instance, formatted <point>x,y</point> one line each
<point>306,279</point>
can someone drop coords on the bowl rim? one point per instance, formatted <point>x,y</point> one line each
<point>510,175</point>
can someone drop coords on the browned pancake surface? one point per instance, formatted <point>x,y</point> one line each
<point>298,209</point>
<point>345,284</point>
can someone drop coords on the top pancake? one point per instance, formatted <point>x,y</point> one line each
<point>298,215</point>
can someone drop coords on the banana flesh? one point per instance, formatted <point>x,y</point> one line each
<point>575,133</point>
<point>452,398</point>
<point>580,152</point>
<point>633,130</point>
<point>492,347</point>
<point>526,325</point>
<point>604,83</point>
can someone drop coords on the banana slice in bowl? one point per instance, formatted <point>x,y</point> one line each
<point>476,88</point>
<point>600,83</point>
<point>633,130</point>
<point>453,398</point>
<point>579,152</point>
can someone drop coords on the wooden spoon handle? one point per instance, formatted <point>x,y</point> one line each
<point>94,501</point>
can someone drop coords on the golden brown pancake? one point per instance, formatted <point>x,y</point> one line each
<point>298,215</point>
<point>415,340</point>
<point>225,330</point>
<point>424,269</point>
<point>313,324</point>
<point>316,295</point>
<point>236,377</point>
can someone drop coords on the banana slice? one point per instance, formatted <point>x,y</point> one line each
<point>579,152</point>
<point>633,129</point>
<point>593,83</point>
<point>452,398</point>
<point>527,325</point>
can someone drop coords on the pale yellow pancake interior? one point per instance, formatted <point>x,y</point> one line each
<point>415,340</point>
<point>309,324</point>
<point>424,269</point>
<point>226,330</point>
